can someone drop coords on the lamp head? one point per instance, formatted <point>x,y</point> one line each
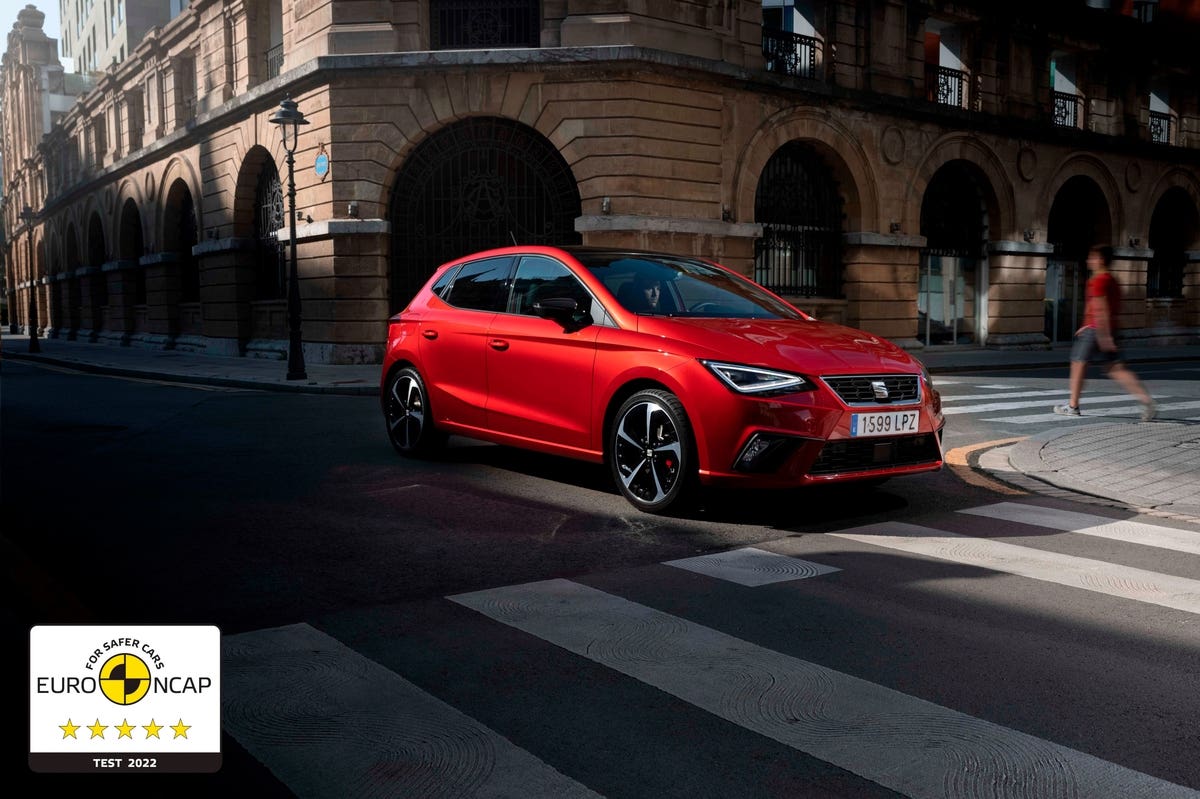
<point>289,119</point>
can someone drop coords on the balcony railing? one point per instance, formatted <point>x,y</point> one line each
<point>945,86</point>
<point>1067,110</point>
<point>1160,127</point>
<point>790,53</point>
<point>274,61</point>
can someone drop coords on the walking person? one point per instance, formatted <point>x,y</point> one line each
<point>1096,340</point>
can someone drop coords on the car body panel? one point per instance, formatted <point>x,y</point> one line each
<point>539,383</point>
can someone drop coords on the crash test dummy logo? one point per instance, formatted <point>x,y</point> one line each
<point>130,698</point>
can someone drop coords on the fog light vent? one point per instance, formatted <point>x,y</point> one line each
<point>763,453</point>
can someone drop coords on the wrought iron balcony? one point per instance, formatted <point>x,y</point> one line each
<point>790,53</point>
<point>945,86</point>
<point>1067,110</point>
<point>1160,127</point>
<point>480,24</point>
<point>274,61</point>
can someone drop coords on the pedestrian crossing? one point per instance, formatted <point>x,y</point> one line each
<point>329,721</point>
<point>1011,404</point>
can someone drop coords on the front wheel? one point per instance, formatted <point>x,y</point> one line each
<point>406,410</point>
<point>651,452</point>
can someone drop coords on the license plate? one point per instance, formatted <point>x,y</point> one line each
<point>882,424</point>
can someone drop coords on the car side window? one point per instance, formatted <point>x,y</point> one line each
<point>481,285</point>
<point>540,278</point>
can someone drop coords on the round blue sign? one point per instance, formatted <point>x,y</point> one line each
<point>322,165</point>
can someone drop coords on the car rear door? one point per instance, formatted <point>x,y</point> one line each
<point>453,342</point>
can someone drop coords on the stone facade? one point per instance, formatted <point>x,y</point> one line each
<point>664,119</point>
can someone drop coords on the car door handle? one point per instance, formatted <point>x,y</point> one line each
<point>429,334</point>
<point>498,344</point>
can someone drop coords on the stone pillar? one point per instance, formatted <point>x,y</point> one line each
<point>74,305</point>
<point>92,301</point>
<point>880,285</point>
<point>162,298</point>
<point>1191,292</point>
<point>118,328</point>
<point>1016,296</point>
<point>1129,268</point>
<point>56,321</point>
<point>226,289</point>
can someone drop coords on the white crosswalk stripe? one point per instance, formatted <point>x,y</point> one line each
<point>904,743</point>
<point>327,720</point>
<point>330,722</point>
<point>1166,590</point>
<point>1090,411</point>
<point>990,407</point>
<point>1151,535</point>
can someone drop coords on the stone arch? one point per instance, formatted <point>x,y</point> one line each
<point>178,170</point>
<point>1088,166</point>
<point>992,180</point>
<point>477,183</point>
<point>838,147</point>
<point>1176,179</point>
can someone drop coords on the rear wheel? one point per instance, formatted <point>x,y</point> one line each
<point>406,410</point>
<point>651,452</point>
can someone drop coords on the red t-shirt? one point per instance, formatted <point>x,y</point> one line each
<point>1102,284</point>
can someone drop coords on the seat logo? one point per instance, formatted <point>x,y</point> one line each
<point>880,389</point>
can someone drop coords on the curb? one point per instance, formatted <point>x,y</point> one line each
<point>203,380</point>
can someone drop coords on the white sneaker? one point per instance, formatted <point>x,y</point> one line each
<point>1067,410</point>
<point>1149,411</point>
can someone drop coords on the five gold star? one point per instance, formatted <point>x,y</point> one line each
<point>125,729</point>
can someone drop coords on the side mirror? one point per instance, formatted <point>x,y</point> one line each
<point>563,310</point>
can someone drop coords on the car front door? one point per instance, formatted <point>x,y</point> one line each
<point>540,369</point>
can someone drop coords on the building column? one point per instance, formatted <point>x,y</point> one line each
<point>1017,294</point>
<point>118,328</point>
<point>92,300</point>
<point>162,297</point>
<point>880,285</point>
<point>226,289</point>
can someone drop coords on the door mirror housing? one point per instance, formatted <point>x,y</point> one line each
<point>563,310</point>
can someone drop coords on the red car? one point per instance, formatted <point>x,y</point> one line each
<point>674,371</point>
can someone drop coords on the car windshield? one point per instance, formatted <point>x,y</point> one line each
<point>669,286</point>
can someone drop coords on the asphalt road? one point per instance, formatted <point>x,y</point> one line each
<point>288,521</point>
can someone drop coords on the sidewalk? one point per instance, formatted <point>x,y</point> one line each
<point>1153,466</point>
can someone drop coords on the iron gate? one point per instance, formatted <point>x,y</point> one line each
<point>479,183</point>
<point>798,205</point>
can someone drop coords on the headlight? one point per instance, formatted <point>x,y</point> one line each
<point>925,374</point>
<point>756,380</point>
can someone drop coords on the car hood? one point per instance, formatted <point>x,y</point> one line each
<point>808,347</point>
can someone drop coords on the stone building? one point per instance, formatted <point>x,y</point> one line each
<point>929,171</point>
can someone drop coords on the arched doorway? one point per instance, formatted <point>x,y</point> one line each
<point>1174,229</point>
<point>1078,219</point>
<point>131,248</point>
<point>97,280</point>
<point>180,235</point>
<point>74,298</point>
<point>798,204</point>
<point>479,183</point>
<point>270,277</point>
<point>951,280</point>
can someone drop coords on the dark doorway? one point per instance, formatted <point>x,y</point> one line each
<point>952,222</point>
<point>1078,219</point>
<point>476,184</point>
<point>798,204</point>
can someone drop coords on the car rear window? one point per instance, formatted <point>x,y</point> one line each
<point>481,285</point>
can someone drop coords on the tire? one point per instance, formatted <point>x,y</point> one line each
<point>409,421</point>
<point>651,453</point>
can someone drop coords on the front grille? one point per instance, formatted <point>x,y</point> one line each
<point>858,389</point>
<point>864,454</point>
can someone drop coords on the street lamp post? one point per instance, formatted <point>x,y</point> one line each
<point>289,119</point>
<point>27,216</point>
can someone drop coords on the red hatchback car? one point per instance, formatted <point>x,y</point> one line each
<point>674,371</point>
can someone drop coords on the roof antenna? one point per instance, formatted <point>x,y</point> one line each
<point>514,238</point>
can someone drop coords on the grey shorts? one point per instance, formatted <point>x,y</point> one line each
<point>1086,348</point>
